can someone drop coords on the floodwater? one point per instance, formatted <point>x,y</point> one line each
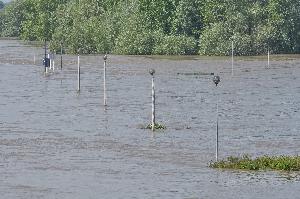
<point>57,143</point>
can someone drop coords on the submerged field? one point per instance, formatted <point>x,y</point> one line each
<point>55,142</point>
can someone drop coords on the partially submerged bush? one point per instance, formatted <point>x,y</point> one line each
<point>285,163</point>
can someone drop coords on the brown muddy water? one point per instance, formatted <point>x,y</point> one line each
<point>56,143</point>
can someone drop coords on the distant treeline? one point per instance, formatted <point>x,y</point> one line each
<point>205,27</point>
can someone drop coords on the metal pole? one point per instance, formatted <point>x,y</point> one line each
<point>61,56</point>
<point>78,62</point>
<point>152,71</point>
<point>268,57</point>
<point>34,59</point>
<point>45,56</point>
<point>50,57</point>
<point>217,126</point>
<point>53,62</point>
<point>232,53</point>
<point>153,104</point>
<point>217,80</point>
<point>104,81</point>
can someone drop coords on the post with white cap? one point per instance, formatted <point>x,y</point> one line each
<point>217,80</point>
<point>104,81</point>
<point>152,72</point>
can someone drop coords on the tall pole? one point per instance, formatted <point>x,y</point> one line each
<point>217,80</point>
<point>61,52</point>
<point>232,54</point>
<point>152,71</point>
<point>45,57</point>
<point>78,62</point>
<point>217,125</point>
<point>104,81</point>
<point>268,57</point>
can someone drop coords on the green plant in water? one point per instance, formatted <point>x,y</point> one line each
<point>156,126</point>
<point>284,163</point>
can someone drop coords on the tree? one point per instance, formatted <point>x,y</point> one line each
<point>1,5</point>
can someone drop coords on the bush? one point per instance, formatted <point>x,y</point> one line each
<point>175,45</point>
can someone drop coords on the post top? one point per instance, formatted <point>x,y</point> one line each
<point>216,79</point>
<point>152,71</point>
<point>105,57</point>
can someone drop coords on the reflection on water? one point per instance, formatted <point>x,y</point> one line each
<point>55,142</point>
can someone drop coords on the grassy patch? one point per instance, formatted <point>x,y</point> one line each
<point>156,126</point>
<point>283,163</point>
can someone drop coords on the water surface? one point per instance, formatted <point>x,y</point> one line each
<point>57,143</point>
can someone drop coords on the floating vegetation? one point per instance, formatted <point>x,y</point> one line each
<point>196,73</point>
<point>156,126</point>
<point>283,163</point>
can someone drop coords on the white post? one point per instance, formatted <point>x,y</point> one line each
<point>152,71</point>
<point>61,51</point>
<point>217,80</point>
<point>78,63</point>
<point>53,62</point>
<point>232,53</point>
<point>217,127</point>
<point>50,60</point>
<point>34,59</point>
<point>268,58</point>
<point>104,81</point>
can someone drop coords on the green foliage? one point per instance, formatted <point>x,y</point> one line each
<point>12,17</point>
<point>1,5</point>
<point>286,163</point>
<point>175,45</point>
<point>254,26</point>
<point>156,126</point>
<point>172,27</point>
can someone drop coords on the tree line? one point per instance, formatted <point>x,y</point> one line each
<point>166,27</point>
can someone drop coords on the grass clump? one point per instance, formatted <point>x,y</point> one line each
<point>157,126</point>
<point>283,163</point>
